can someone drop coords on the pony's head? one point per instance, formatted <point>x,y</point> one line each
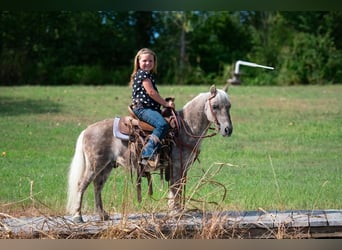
<point>217,109</point>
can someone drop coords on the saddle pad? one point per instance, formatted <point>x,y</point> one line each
<point>116,131</point>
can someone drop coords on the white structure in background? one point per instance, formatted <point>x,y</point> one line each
<point>235,80</point>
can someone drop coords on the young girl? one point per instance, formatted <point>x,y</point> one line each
<point>146,101</point>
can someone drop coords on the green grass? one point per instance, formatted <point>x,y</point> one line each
<point>285,152</point>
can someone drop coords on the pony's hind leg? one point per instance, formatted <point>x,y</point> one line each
<point>82,186</point>
<point>99,182</point>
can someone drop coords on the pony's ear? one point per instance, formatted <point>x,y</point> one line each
<point>213,90</point>
<point>225,88</point>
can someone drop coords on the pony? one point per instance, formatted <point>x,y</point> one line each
<point>98,151</point>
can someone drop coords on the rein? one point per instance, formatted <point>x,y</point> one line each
<point>180,122</point>
<point>196,136</point>
<point>192,147</point>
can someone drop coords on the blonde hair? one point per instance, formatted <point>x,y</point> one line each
<point>136,62</point>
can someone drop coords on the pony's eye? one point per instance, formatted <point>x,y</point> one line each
<point>215,106</point>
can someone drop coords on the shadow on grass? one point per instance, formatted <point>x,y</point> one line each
<point>19,106</point>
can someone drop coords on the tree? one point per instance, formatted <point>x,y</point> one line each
<point>311,60</point>
<point>97,47</point>
<point>311,57</point>
<point>174,31</point>
<point>221,40</point>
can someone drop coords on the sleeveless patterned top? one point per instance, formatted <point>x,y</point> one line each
<point>139,94</point>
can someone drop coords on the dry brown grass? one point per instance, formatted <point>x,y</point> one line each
<point>196,224</point>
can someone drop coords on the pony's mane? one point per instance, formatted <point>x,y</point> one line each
<point>202,97</point>
<point>198,100</point>
<point>222,95</point>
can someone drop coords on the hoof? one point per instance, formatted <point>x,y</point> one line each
<point>176,212</point>
<point>105,217</point>
<point>77,219</point>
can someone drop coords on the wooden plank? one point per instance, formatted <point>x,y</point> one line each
<point>317,219</point>
<point>233,218</point>
<point>334,217</point>
<point>300,218</point>
<point>267,218</point>
<point>326,232</point>
<point>250,220</point>
<point>246,224</point>
<point>283,219</point>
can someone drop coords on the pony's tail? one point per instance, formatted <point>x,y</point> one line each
<point>77,167</point>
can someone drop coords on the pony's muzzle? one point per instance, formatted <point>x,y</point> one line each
<point>228,131</point>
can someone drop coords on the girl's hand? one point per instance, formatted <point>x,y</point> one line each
<point>170,104</point>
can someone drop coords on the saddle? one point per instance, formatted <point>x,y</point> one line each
<point>136,132</point>
<point>127,125</point>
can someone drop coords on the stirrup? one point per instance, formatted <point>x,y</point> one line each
<point>151,163</point>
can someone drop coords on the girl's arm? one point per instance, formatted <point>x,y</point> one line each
<point>155,95</point>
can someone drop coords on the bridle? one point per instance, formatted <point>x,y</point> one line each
<point>218,125</point>
<point>192,147</point>
<point>217,128</point>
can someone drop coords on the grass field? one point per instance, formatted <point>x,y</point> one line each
<point>285,152</point>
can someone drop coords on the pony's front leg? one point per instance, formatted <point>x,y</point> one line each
<point>175,203</point>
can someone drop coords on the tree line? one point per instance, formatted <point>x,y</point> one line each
<point>193,47</point>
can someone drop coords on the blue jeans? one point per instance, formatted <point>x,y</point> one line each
<point>161,127</point>
<point>155,119</point>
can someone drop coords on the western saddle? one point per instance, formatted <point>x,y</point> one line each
<point>138,133</point>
